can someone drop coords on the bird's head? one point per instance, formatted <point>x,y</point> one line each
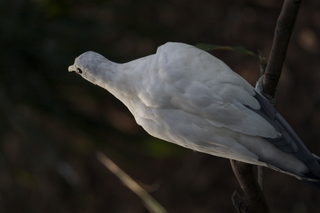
<point>100,71</point>
<point>90,65</point>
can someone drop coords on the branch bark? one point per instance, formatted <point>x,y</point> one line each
<point>251,199</point>
<point>281,39</point>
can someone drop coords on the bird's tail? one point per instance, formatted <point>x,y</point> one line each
<point>315,184</point>
<point>316,181</point>
<point>317,158</point>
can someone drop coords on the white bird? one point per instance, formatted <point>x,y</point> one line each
<point>186,96</point>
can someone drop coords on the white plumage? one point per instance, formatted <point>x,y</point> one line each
<point>186,96</point>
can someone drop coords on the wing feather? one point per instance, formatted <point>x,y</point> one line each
<point>202,87</point>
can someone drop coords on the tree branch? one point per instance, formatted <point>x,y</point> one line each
<point>281,39</point>
<point>252,198</point>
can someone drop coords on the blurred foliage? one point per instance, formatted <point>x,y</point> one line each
<point>211,47</point>
<point>52,122</point>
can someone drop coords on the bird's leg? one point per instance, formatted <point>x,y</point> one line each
<point>258,86</point>
<point>259,89</point>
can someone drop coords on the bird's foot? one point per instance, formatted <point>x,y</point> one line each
<point>259,88</point>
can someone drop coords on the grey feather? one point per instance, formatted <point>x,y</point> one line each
<point>288,142</point>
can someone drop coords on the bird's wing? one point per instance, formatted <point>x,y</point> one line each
<point>203,85</point>
<point>226,105</point>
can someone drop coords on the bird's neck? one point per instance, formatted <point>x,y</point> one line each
<point>118,79</point>
<point>124,81</point>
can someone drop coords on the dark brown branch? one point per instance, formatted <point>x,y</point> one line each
<point>252,198</point>
<point>278,52</point>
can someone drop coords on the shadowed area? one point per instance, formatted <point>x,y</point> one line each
<point>52,122</point>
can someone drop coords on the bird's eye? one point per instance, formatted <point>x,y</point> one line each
<point>79,70</point>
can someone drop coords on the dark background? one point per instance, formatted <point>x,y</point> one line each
<point>52,122</point>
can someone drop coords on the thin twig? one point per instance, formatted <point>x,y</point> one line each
<point>150,203</point>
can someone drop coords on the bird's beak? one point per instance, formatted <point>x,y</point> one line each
<point>71,68</point>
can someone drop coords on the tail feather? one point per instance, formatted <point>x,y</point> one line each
<point>317,158</point>
<point>312,177</point>
<point>316,182</point>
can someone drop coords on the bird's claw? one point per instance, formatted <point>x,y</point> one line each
<point>259,88</point>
